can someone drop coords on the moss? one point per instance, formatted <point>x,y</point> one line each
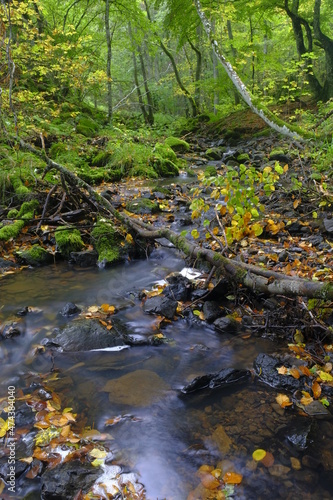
<point>28,208</point>
<point>177,145</point>
<point>92,176</point>
<point>275,152</point>
<point>215,153</point>
<point>11,231</point>
<point>243,157</point>
<point>165,168</point>
<point>35,256</point>
<point>12,213</point>
<point>104,240</point>
<point>147,172</point>
<point>101,159</point>
<point>68,240</point>
<point>165,151</point>
<point>142,206</point>
<point>20,190</point>
<point>210,171</point>
<point>57,149</point>
<point>86,126</point>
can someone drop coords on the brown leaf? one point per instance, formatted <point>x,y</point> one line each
<point>209,481</point>
<point>316,390</point>
<point>294,373</point>
<point>232,478</point>
<point>268,459</point>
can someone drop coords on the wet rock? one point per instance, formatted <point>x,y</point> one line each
<point>12,329</point>
<point>299,434</point>
<point>221,440</point>
<point>226,325</point>
<point>5,470</point>
<point>142,206</point>
<point>266,369</point>
<point>139,388</point>
<point>69,309</point>
<point>211,310</point>
<point>281,157</point>
<point>83,259</point>
<point>283,256</point>
<point>161,305</point>
<point>328,225</point>
<point>85,335</point>
<point>29,310</point>
<point>223,378</point>
<point>66,480</point>
<point>179,289</point>
<point>35,256</point>
<point>6,264</point>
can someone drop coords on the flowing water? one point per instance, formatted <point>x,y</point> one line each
<point>161,436</point>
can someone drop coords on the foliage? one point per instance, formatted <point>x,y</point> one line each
<point>236,192</point>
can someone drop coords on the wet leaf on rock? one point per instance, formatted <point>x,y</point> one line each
<point>232,478</point>
<point>283,400</point>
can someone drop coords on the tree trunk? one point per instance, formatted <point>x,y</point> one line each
<point>174,67</point>
<point>150,105</point>
<point>234,56</point>
<point>136,79</point>
<point>197,76</point>
<point>269,118</point>
<point>297,23</point>
<point>109,58</point>
<point>327,45</point>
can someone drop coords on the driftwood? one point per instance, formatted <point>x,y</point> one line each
<point>254,278</point>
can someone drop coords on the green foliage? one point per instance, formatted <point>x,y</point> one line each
<point>101,159</point>
<point>13,229</point>
<point>68,240</point>
<point>237,201</point>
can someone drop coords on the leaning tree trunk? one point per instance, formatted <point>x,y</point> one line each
<point>109,58</point>
<point>269,118</point>
<point>255,278</point>
<point>327,45</point>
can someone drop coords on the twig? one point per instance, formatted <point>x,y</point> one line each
<point>45,205</point>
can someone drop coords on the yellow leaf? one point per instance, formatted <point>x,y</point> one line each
<point>283,400</point>
<point>97,453</point>
<point>258,454</point>
<point>325,377</point>
<point>282,370</point>
<point>296,203</point>
<point>129,238</point>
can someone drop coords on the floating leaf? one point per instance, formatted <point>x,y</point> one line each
<point>97,453</point>
<point>283,400</point>
<point>268,460</point>
<point>209,482</point>
<point>258,454</point>
<point>97,462</point>
<point>232,478</point>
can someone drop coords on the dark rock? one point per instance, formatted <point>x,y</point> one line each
<point>6,264</point>
<point>67,479</point>
<point>226,325</point>
<point>198,293</point>
<point>294,228</point>
<point>211,310</point>
<point>36,256</point>
<point>280,157</point>
<point>179,289</point>
<point>328,225</point>
<point>298,434</point>
<point>69,309</point>
<point>161,305</point>
<point>283,256</point>
<point>266,369</point>
<point>83,259</point>
<point>85,335</point>
<point>223,378</point>
<point>5,470</point>
<point>12,329</point>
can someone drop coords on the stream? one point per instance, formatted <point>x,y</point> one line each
<point>165,440</point>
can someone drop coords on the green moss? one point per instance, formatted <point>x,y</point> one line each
<point>243,157</point>
<point>177,145</point>
<point>146,172</point>
<point>104,239</point>
<point>165,151</point>
<point>28,208</point>
<point>165,168</point>
<point>12,213</point>
<point>142,206</point>
<point>68,240</point>
<point>86,126</point>
<point>35,256</point>
<point>20,190</point>
<point>92,175</point>
<point>57,149</point>
<point>11,231</point>
<point>276,152</point>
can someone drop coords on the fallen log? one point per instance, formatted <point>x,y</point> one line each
<point>252,277</point>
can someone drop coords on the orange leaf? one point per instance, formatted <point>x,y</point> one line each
<point>294,373</point>
<point>316,390</point>
<point>209,481</point>
<point>283,400</point>
<point>232,478</point>
<point>305,370</point>
<point>268,459</point>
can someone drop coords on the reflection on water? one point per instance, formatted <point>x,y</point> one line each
<point>164,437</point>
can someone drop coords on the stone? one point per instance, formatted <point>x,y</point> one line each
<point>179,289</point>
<point>226,325</point>
<point>161,305</point>
<point>85,335</point>
<point>12,329</point>
<point>211,310</point>
<point>221,440</point>
<point>69,309</point>
<point>223,378</point>
<point>139,388</point>
<point>266,366</point>
<point>67,479</point>
<point>83,259</point>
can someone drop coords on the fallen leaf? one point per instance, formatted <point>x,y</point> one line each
<point>282,370</point>
<point>283,400</point>
<point>232,478</point>
<point>316,390</point>
<point>258,454</point>
<point>268,459</point>
<point>294,373</point>
<point>209,482</point>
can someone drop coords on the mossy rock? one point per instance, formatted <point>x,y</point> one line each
<point>101,159</point>
<point>210,171</point>
<point>68,240</point>
<point>19,188</point>
<point>36,256</point>
<point>12,213</point>
<point>243,157</point>
<point>142,206</point>
<point>28,208</point>
<point>93,176</point>
<point>215,153</point>
<point>115,174</point>
<point>11,230</point>
<point>177,145</point>
<point>145,171</point>
<point>165,151</point>
<point>106,242</point>
<point>165,168</point>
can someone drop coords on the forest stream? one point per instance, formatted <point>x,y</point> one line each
<point>156,442</point>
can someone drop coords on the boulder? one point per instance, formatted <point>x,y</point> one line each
<point>223,378</point>
<point>161,305</point>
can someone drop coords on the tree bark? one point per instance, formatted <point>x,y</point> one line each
<point>327,45</point>
<point>269,118</point>
<point>109,59</point>
<point>252,277</point>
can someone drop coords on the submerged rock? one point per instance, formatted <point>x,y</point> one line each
<point>299,434</point>
<point>85,335</point>
<point>223,378</point>
<point>138,388</point>
<point>84,259</point>
<point>70,309</point>
<point>266,367</point>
